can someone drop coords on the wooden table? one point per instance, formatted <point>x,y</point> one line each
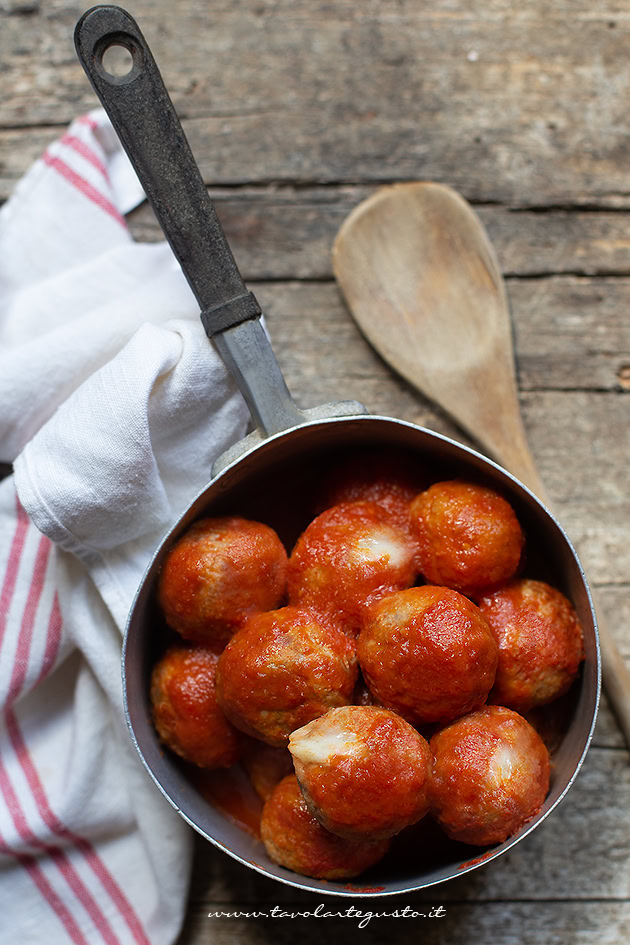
<point>296,110</point>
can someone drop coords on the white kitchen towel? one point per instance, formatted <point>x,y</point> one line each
<point>113,406</point>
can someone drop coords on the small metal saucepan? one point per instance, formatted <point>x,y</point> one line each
<point>268,475</point>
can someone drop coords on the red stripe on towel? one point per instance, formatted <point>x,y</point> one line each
<point>83,186</point>
<point>86,120</point>
<point>48,893</point>
<point>18,677</point>
<point>21,750</point>
<point>10,577</point>
<point>25,638</point>
<point>53,640</point>
<point>55,826</point>
<point>86,152</point>
<point>58,857</point>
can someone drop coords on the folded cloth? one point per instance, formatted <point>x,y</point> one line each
<point>113,406</point>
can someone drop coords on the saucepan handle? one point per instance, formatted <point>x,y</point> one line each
<point>143,115</point>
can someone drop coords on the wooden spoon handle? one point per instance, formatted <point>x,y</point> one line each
<point>615,675</point>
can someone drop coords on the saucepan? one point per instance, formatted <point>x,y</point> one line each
<point>269,474</point>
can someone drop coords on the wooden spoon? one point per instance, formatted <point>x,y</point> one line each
<point>421,278</point>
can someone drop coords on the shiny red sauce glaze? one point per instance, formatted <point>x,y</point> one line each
<point>428,654</point>
<point>282,669</point>
<point>231,792</point>
<point>490,775</point>
<point>185,710</point>
<point>469,537</point>
<point>338,597</point>
<point>365,476</point>
<point>363,770</point>
<point>295,839</point>
<point>348,557</point>
<point>540,643</point>
<point>219,572</point>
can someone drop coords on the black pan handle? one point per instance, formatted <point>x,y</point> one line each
<point>144,118</point>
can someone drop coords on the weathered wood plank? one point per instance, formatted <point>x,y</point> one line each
<point>615,603</point>
<point>280,233</point>
<point>525,108</point>
<point>607,733</point>
<point>287,233</point>
<point>462,923</point>
<point>570,334</point>
<point>19,149</point>
<point>576,439</point>
<point>579,852</point>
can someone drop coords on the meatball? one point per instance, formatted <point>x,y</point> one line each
<point>265,766</point>
<point>220,571</point>
<point>490,776</point>
<point>428,654</point>
<point>468,537</point>
<point>283,669</point>
<point>364,771</point>
<point>294,839</point>
<point>388,478</point>
<point>185,711</point>
<point>540,643</point>
<point>349,556</point>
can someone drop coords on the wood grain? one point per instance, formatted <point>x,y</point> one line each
<point>287,232</point>
<point>571,333</point>
<point>297,111</point>
<point>478,95</point>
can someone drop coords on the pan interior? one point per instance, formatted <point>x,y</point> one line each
<point>276,484</point>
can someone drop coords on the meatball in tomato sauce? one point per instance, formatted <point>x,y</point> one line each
<point>349,556</point>
<point>388,478</point>
<point>283,669</point>
<point>428,654</point>
<point>469,537</point>
<point>219,572</point>
<point>295,839</point>
<point>540,643</point>
<point>490,776</point>
<point>364,771</point>
<point>265,765</point>
<point>185,710</point>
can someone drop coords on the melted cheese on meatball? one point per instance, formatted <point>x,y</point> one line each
<point>320,748</point>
